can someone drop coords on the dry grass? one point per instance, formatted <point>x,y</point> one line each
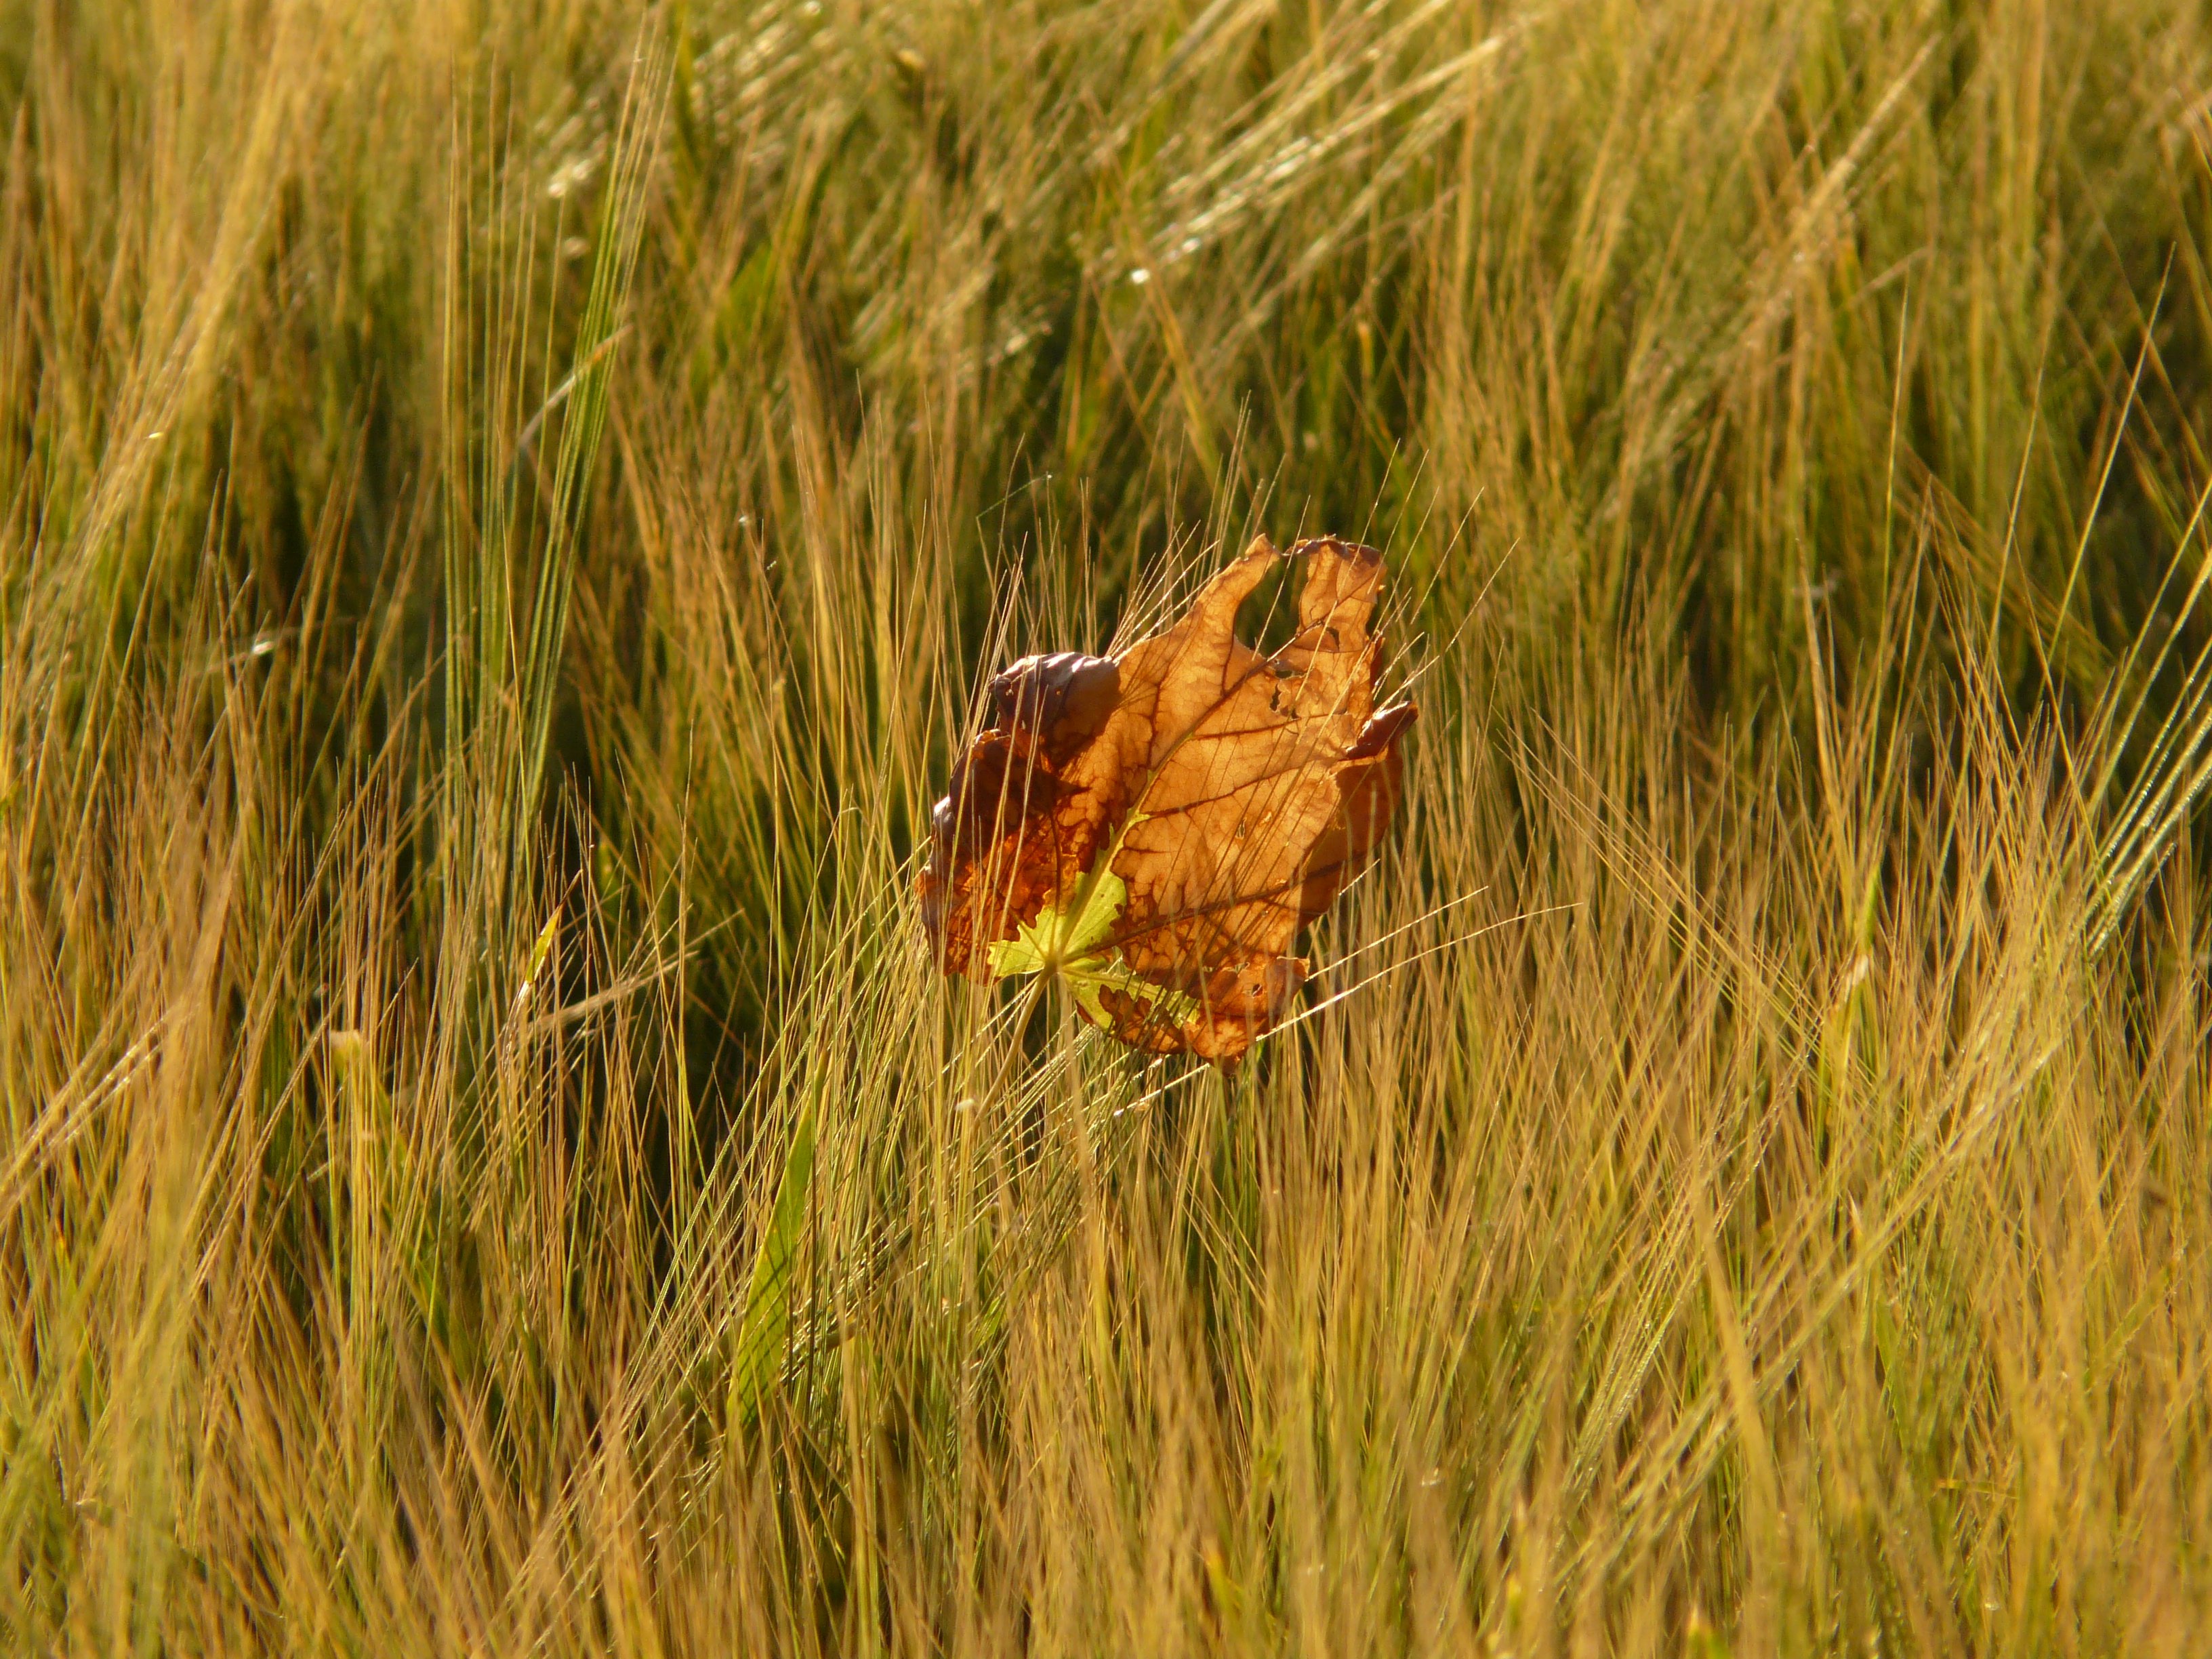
<point>501,505</point>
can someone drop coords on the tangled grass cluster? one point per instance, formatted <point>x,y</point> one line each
<point>503,504</point>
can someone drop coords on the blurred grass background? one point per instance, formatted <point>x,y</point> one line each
<point>503,504</point>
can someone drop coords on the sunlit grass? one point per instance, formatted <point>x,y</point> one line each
<point>502,508</point>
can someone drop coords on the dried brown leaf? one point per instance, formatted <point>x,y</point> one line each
<point>1159,826</point>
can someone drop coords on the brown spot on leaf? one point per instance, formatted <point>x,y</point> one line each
<point>1014,831</point>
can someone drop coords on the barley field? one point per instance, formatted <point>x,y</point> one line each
<point>505,507</point>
